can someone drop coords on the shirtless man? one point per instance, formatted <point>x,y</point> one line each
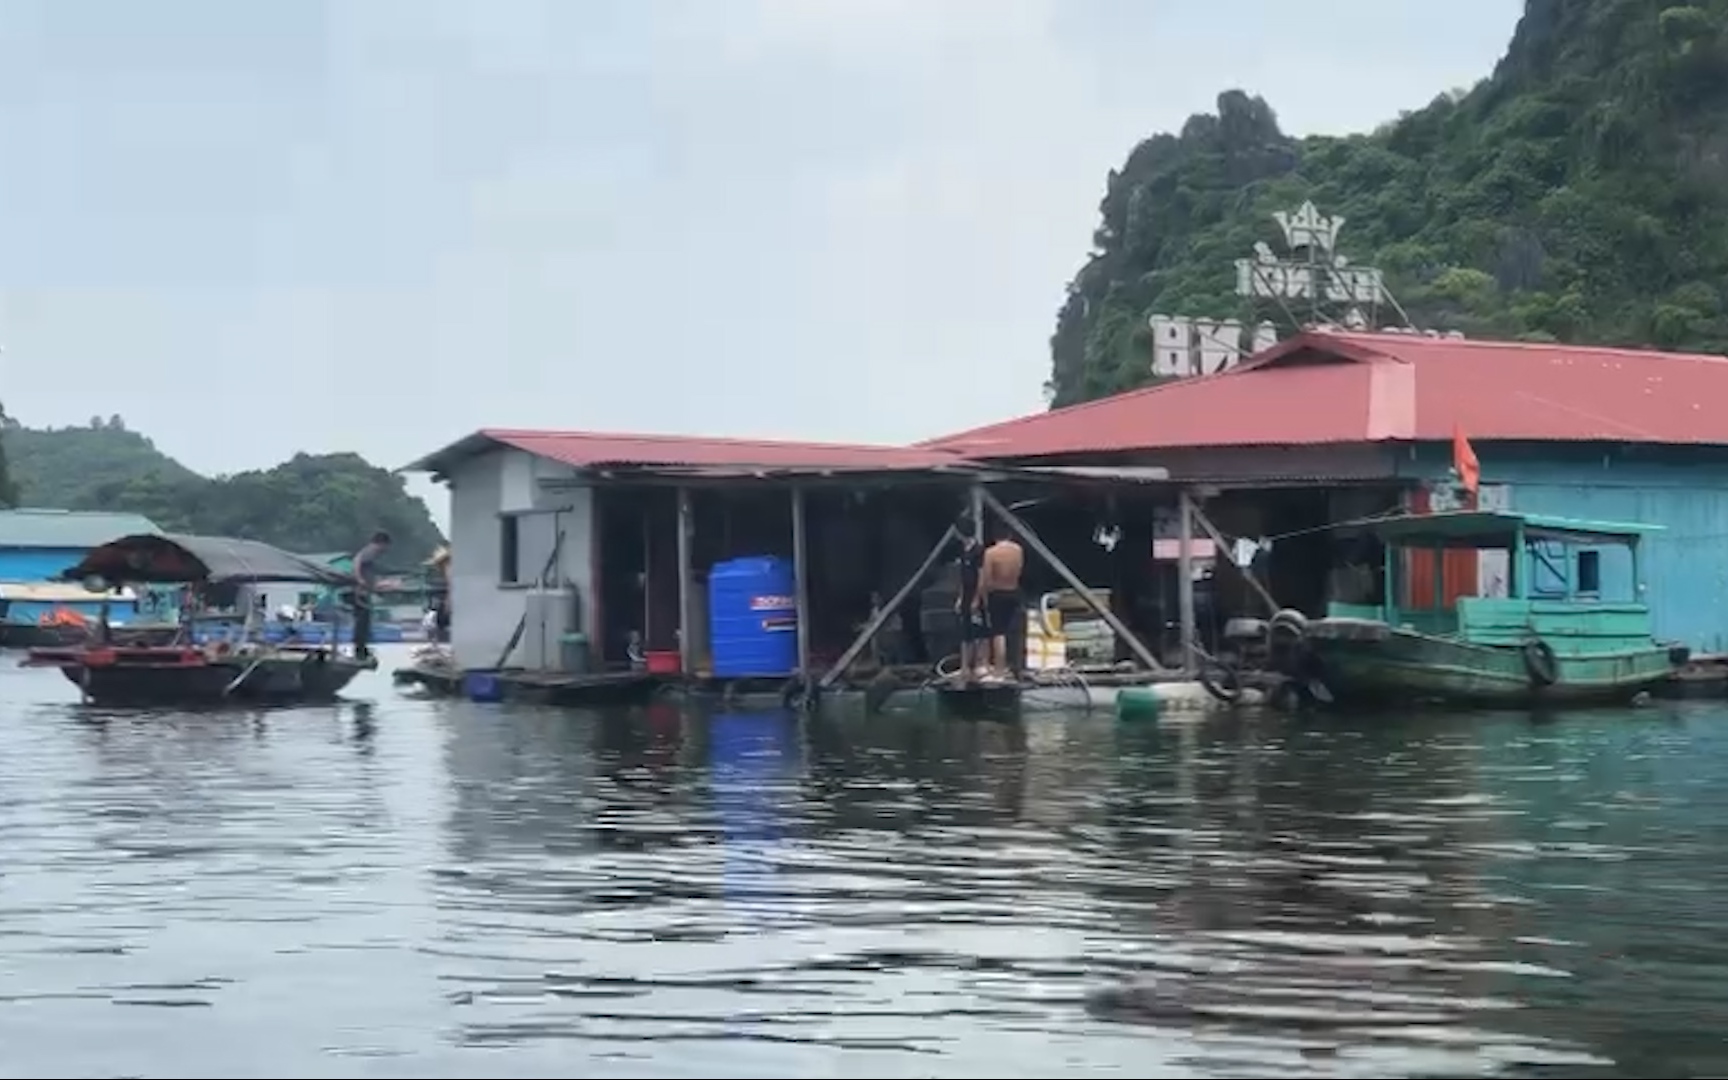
<point>999,584</point>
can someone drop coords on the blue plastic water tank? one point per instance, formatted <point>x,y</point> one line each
<point>753,618</point>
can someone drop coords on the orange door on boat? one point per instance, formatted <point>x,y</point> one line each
<point>1458,570</point>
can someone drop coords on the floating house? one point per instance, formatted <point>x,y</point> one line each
<point>1333,426</point>
<point>37,545</point>
<point>592,521</point>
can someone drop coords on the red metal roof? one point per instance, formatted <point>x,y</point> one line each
<point>1325,387</point>
<point>588,449</point>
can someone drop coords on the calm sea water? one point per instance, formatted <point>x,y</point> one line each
<point>396,887</point>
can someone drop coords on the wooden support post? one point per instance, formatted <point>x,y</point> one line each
<point>1185,581</point>
<point>1247,573</point>
<point>801,580</point>
<point>1030,539</point>
<point>978,514</point>
<point>886,612</point>
<point>686,585</point>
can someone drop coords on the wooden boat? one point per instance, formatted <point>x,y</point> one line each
<point>1554,637</point>
<point>112,671</point>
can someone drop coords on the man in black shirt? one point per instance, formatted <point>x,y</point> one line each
<point>365,581</point>
<point>969,604</point>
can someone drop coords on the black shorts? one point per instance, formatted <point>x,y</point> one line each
<point>973,625</point>
<point>1002,608</point>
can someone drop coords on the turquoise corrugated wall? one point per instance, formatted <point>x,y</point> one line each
<point>37,564</point>
<point>1685,566</point>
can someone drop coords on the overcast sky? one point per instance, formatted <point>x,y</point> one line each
<point>263,226</point>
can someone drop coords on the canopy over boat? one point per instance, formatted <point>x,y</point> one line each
<point>150,558</point>
<point>1496,529</point>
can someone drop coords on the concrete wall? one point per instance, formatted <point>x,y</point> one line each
<point>484,609</point>
<point>1684,567</point>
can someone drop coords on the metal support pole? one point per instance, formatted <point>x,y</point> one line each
<point>886,612</point>
<point>1185,580</point>
<point>1247,572</point>
<point>686,585</point>
<point>1101,609</point>
<point>801,579</point>
<point>647,583</point>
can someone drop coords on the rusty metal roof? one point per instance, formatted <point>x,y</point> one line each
<point>1324,387</point>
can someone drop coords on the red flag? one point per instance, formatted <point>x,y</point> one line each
<point>1464,461</point>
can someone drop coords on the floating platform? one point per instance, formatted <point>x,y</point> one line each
<point>545,688</point>
<point>981,700</point>
<point>1705,675</point>
<point>1130,700</point>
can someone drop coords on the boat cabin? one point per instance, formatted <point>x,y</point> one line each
<point>1526,565</point>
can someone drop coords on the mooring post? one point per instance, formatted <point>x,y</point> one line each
<point>1101,609</point>
<point>686,586</point>
<point>886,612</point>
<point>1185,580</point>
<point>801,580</point>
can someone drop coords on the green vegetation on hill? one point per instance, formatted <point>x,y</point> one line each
<point>310,503</point>
<point>8,489</point>
<point>1579,194</point>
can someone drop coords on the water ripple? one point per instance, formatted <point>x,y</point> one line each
<point>405,888</point>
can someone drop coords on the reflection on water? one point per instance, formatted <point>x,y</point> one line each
<point>394,887</point>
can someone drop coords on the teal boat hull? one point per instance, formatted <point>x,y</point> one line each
<point>1363,663</point>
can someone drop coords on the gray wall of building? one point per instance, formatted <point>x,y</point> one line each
<point>483,489</point>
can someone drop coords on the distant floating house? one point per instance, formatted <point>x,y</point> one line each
<point>37,545</point>
<point>1331,426</point>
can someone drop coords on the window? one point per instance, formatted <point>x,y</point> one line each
<point>509,550</point>
<point>1590,572</point>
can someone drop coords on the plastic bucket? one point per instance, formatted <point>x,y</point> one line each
<point>483,686</point>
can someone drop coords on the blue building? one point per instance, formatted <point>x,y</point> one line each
<point>1331,426</point>
<point>37,545</point>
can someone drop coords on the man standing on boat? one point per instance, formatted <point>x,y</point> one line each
<point>999,585</point>
<point>969,604</point>
<point>365,579</point>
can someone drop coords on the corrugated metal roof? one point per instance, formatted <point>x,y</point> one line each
<point>81,529</point>
<point>1322,387</point>
<point>588,450</point>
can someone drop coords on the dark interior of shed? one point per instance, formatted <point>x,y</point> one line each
<point>1306,559</point>
<point>864,542</point>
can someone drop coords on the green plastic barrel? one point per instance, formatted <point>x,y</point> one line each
<point>1138,703</point>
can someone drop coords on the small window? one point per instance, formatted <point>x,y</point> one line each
<point>509,550</point>
<point>1590,571</point>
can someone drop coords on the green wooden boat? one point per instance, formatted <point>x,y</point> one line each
<point>1557,636</point>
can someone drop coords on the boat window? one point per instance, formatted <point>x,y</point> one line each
<point>509,562</point>
<point>1589,571</point>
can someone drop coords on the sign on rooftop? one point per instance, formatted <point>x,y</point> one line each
<point>1311,282</point>
<point>1182,347</point>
